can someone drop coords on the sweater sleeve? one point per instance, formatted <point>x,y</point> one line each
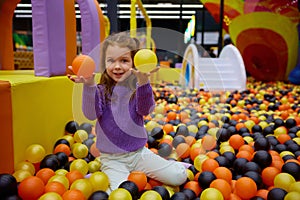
<point>145,99</point>
<point>88,101</point>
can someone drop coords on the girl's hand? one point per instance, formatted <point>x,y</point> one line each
<point>80,79</point>
<point>143,78</point>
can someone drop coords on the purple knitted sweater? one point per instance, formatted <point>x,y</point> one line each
<point>120,124</point>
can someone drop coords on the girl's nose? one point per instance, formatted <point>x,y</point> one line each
<point>117,65</point>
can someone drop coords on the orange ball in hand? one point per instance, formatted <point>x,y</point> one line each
<point>83,65</point>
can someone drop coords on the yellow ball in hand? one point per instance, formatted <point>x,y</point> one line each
<point>145,60</point>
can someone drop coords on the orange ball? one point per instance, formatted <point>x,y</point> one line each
<point>236,141</point>
<point>244,154</point>
<point>195,152</point>
<point>223,186</point>
<point>245,188</point>
<point>31,187</point>
<point>263,193</point>
<point>55,186</point>
<point>209,165</point>
<point>74,175</point>
<point>73,194</point>
<point>83,65</point>
<point>268,174</point>
<point>62,148</point>
<point>223,173</point>
<point>194,186</point>
<point>45,174</point>
<point>168,128</point>
<point>183,150</point>
<point>139,178</point>
<point>208,142</point>
<point>171,115</point>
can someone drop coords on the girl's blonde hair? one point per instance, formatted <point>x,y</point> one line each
<point>122,40</point>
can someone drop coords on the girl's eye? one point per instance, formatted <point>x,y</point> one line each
<point>125,60</point>
<point>109,60</point>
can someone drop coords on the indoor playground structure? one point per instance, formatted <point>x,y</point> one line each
<point>233,120</point>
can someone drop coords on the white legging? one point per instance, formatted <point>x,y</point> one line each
<point>118,166</point>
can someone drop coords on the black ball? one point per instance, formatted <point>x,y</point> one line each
<point>179,196</point>
<point>230,156</point>
<point>177,140</point>
<point>276,194</point>
<point>61,141</point>
<point>251,166</point>
<point>152,143</point>
<point>162,191</point>
<point>50,161</point>
<point>98,195</point>
<point>205,178</point>
<point>238,165</point>
<point>280,148</point>
<point>62,158</point>
<point>256,128</point>
<point>71,127</point>
<point>262,158</point>
<point>290,123</point>
<point>13,197</point>
<point>88,142</point>
<point>164,149</point>
<point>278,122</point>
<point>223,135</point>
<point>189,193</point>
<point>256,177</point>
<point>257,198</point>
<point>193,169</point>
<point>292,168</point>
<point>132,188</point>
<point>87,127</point>
<point>223,161</point>
<point>157,133</point>
<point>182,130</point>
<point>8,185</point>
<point>261,144</point>
<point>293,147</point>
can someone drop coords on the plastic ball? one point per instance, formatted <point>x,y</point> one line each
<point>276,194</point>
<point>84,186</point>
<point>83,65</point>
<point>99,195</point>
<point>99,181</point>
<point>163,192</point>
<point>56,187</point>
<point>120,193</point>
<point>24,165</point>
<point>223,186</point>
<point>145,60</point>
<point>80,165</point>
<point>262,158</point>
<point>60,178</point>
<point>80,151</point>
<point>268,174</point>
<point>131,187</point>
<point>35,153</point>
<point>51,196</point>
<point>245,187</point>
<point>283,180</point>
<point>8,185</point>
<point>94,166</point>
<point>71,127</point>
<point>292,196</point>
<point>87,127</point>
<point>150,195</point>
<point>182,130</point>
<point>291,168</point>
<point>20,175</point>
<point>164,149</point>
<point>62,141</point>
<point>139,178</point>
<point>211,193</point>
<point>62,148</point>
<point>50,161</point>
<point>73,194</point>
<point>205,178</point>
<point>31,188</point>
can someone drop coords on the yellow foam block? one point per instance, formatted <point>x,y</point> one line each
<point>40,109</point>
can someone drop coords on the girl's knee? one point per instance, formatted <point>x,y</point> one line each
<point>180,175</point>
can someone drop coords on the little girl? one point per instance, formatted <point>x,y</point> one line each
<point>119,102</point>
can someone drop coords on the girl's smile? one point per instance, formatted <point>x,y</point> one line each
<point>118,62</point>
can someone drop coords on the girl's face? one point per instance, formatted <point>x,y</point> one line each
<point>118,62</point>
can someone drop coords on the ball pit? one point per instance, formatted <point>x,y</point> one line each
<point>231,140</point>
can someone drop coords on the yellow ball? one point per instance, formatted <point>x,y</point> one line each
<point>80,136</point>
<point>35,153</point>
<point>51,196</point>
<point>150,195</point>
<point>80,151</point>
<point>80,165</point>
<point>120,193</point>
<point>84,186</point>
<point>20,175</point>
<point>24,165</point>
<point>60,178</point>
<point>292,196</point>
<point>284,180</point>
<point>211,193</point>
<point>99,181</point>
<point>145,60</point>
<point>94,166</point>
